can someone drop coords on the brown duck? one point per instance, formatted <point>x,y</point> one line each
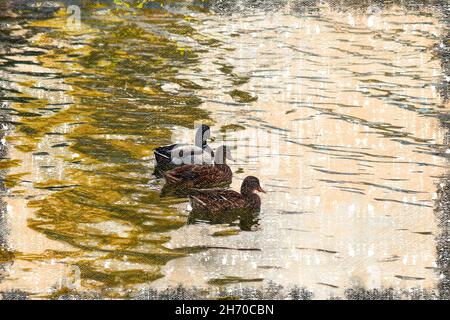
<point>194,176</point>
<point>217,201</point>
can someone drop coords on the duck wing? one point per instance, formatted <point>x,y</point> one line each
<point>168,157</point>
<point>181,174</point>
<point>217,200</point>
<point>192,155</point>
<point>188,155</point>
<point>163,155</point>
<point>164,150</point>
<point>199,176</point>
<point>179,154</point>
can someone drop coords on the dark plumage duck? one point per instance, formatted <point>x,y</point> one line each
<point>171,156</point>
<point>218,201</point>
<point>194,176</point>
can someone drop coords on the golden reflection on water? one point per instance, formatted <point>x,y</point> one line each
<point>333,113</point>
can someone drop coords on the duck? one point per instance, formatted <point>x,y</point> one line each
<point>202,176</point>
<point>174,155</point>
<point>220,201</point>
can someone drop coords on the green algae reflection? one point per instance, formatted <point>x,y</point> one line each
<point>105,205</point>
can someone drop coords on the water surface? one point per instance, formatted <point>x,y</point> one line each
<point>338,113</point>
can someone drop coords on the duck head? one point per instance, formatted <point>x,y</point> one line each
<point>222,154</point>
<point>250,185</point>
<point>202,135</point>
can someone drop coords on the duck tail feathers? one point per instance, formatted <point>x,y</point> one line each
<point>160,153</point>
<point>170,178</point>
<point>193,200</point>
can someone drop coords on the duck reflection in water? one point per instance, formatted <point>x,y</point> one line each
<point>247,220</point>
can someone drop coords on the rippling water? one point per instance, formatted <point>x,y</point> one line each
<point>337,112</point>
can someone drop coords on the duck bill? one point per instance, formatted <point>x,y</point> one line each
<point>260,190</point>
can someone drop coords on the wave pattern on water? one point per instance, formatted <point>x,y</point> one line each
<point>350,97</point>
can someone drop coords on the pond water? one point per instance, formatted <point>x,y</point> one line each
<point>337,112</point>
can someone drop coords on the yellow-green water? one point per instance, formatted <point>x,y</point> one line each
<point>350,99</point>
